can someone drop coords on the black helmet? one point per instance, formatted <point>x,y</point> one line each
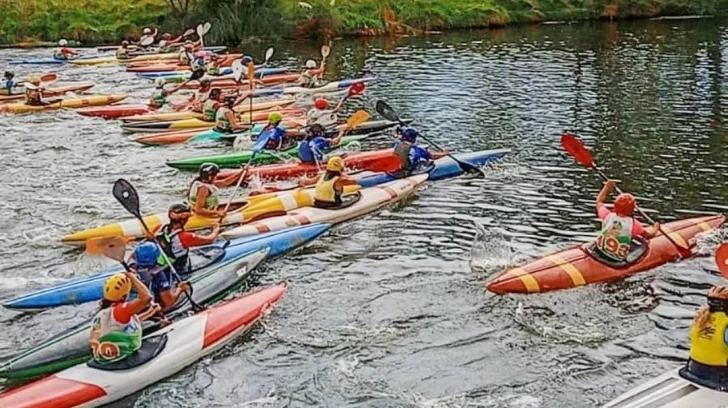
<point>9,74</point>
<point>179,212</point>
<point>215,93</point>
<point>209,170</point>
<point>230,99</point>
<point>316,130</point>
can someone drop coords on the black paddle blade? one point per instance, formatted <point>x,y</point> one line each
<point>197,74</point>
<point>387,112</point>
<point>127,195</point>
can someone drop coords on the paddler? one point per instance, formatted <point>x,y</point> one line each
<point>619,227</point>
<point>8,83</point>
<point>152,270</point>
<point>64,53</point>
<point>322,114</point>
<point>310,77</point>
<point>273,132</point>
<point>34,92</point>
<point>176,242</point>
<point>116,330</point>
<point>186,53</point>
<point>202,95</point>
<point>412,157</point>
<point>214,66</point>
<point>211,105</point>
<point>198,61</point>
<point>330,186</point>
<point>226,120</point>
<point>146,33</point>
<point>202,194</point>
<point>159,95</point>
<point>708,363</point>
<point>311,150</point>
<point>122,52</point>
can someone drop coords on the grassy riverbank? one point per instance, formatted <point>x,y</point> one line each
<point>110,20</point>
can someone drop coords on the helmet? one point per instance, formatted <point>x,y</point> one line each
<point>117,287</point>
<point>167,36</point>
<point>189,44</point>
<point>179,212</point>
<point>209,170</point>
<point>35,80</point>
<point>230,100</point>
<point>159,82</point>
<point>146,254</point>
<point>409,135</point>
<point>275,117</point>
<point>247,59</point>
<point>335,163</point>
<point>316,130</point>
<point>9,74</point>
<point>163,43</point>
<point>147,30</point>
<point>321,103</point>
<point>215,93</point>
<point>62,42</point>
<point>310,64</point>
<point>205,81</point>
<point>124,43</point>
<point>214,57</point>
<point>624,204</point>
<point>200,54</point>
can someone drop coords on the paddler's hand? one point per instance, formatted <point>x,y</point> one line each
<point>215,229</point>
<point>609,185</point>
<point>220,213</point>
<point>184,286</point>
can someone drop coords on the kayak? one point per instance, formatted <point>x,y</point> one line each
<point>170,118</point>
<point>137,58</point>
<point>59,90</point>
<point>167,67</point>
<point>444,167</point>
<point>671,390</point>
<point>169,350</point>
<point>171,134</point>
<point>225,83</point>
<point>115,111</point>
<point>580,265</point>
<point>329,87</point>
<point>294,129</point>
<point>68,103</point>
<point>370,200</point>
<point>89,288</point>
<point>371,126</point>
<point>70,347</point>
<point>38,61</point>
<point>184,73</point>
<point>235,160</point>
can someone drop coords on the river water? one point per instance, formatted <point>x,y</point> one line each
<point>389,310</point>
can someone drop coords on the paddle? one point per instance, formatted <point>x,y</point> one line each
<point>243,173</point>
<point>356,88</point>
<point>127,196</point>
<point>721,259</point>
<point>203,29</point>
<point>146,41</point>
<point>584,157</point>
<point>268,54</point>
<point>251,78</point>
<point>390,114</point>
<point>188,33</point>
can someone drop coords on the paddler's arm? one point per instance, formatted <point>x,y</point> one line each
<point>306,181</point>
<point>144,295</point>
<point>200,209</point>
<point>335,142</point>
<point>241,98</point>
<point>650,232</point>
<point>604,193</point>
<point>191,240</point>
<point>230,180</point>
<point>176,88</point>
<point>345,180</point>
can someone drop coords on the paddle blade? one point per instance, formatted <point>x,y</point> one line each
<point>325,51</point>
<point>126,194</point>
<point>721,258</point>
<point>49,77</point>
<point>199,30</point>
<point>251,73</point>
<point>147,41</point>
<point>577,150</point>
<point>238,70</point>
<point>206,28</point>
<point>197,74</point>
<point>269,53</point>
<point>358,118</point>
<point>261,142</point>
<point>110,247</point>
<point>356,89</point>
<point>387,112</point>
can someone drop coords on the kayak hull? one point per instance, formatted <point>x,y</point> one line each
<point>226,72</point>
<point>575,267</point>
<point>173,67</point>
<point>371,199</point>
<point>57,91</point>
<point>95,100</point>
<point>188,340</point>
<point>226,83</point>
<point>115,111</point>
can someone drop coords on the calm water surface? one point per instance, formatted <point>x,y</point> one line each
<point>389,310</point>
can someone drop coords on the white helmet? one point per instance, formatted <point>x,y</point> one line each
<point>162,43</point>
<point>147,30</point>
<point>62,42</point>
<point>159,82</point>
<point>310,64</point>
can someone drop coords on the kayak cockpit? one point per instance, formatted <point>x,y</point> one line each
<point>715,378</point>
<point>637,251</point>
<point>151,347</point>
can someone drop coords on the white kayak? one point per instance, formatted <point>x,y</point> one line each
<point>371,199</point>
<point>670,390</point>
<point>187,341</point>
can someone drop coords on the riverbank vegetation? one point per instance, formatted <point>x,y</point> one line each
<point>233,20</point>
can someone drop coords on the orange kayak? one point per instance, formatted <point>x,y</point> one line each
<point>68,103</point>
<point>579,265</point>
<point>173,66</point>
<point>59,90</point>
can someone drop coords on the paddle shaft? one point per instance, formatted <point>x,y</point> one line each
<point>235,190</point>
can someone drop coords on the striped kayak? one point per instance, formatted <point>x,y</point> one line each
<point>330,87</point>
<point>235,160</point>
<point>70,347</point>
<point>225,73</point>
<point>226,83</point>
<point>68,103</point>
<point>138,58</point>
<point>371,199</point>
<point>169,118</point>
<point>580,265</point>
<point>174,347</point>
<point>241,210</point>
<point>167,67</point>
<point>89,288</point>
<point>59,90</point>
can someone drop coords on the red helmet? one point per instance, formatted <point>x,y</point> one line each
<point>321,103</point>
<point>624,205</point>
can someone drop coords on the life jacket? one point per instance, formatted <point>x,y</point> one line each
<point>402,150</point>
<point>326,190</point>
<point>158,99</point>
<point>310,79</point>
<point>112,341</point>
<point>202,96</point>
<point>211,202</point>
<point>198,64</point>
<point>213,69</point>
<point>707,344</point>
<point>33,96</point>
<point>59,54</point>
<point>171,244</point>
<point>222,123</point>
<point>8,86</point>
<point>615,238</point>
<point>122,53</point>
<point>209,109</point>
<point>184,57</point>
<point>310,151</point>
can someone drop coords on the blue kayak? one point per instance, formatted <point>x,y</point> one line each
<point>444,167</point>
<point>223,71</point>
<point>90,288</point>
<point>38,61</point>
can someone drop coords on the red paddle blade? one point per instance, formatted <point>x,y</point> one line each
<point>577,150</point>
<point>357,88</point>
<point>721,258</point>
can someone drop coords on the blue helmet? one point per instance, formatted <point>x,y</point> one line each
<point>409,135</point>
<point>247,59</point>
<point>146,254</point>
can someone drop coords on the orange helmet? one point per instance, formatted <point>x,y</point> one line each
<point>624,205</point>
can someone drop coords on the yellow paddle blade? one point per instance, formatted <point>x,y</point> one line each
<point>357,119</point>
<point>110,247</point>
<point>251,73</point>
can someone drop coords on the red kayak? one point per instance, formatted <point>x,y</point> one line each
<point>579,265</point>
<point>115,111</point>
<point>377,160</point>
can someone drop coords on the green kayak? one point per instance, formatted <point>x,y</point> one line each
<point>235,160</point>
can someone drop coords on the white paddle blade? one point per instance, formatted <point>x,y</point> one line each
<point>147,41</point>
<point>206,28</point>
<point>325,51</point>
<point>238,70</point>
<point>269,53</point>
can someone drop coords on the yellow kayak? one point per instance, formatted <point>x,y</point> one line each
<point>114,60</point>
<point>67,103</point>
<point>175,116</point>
<point>241,211</point>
